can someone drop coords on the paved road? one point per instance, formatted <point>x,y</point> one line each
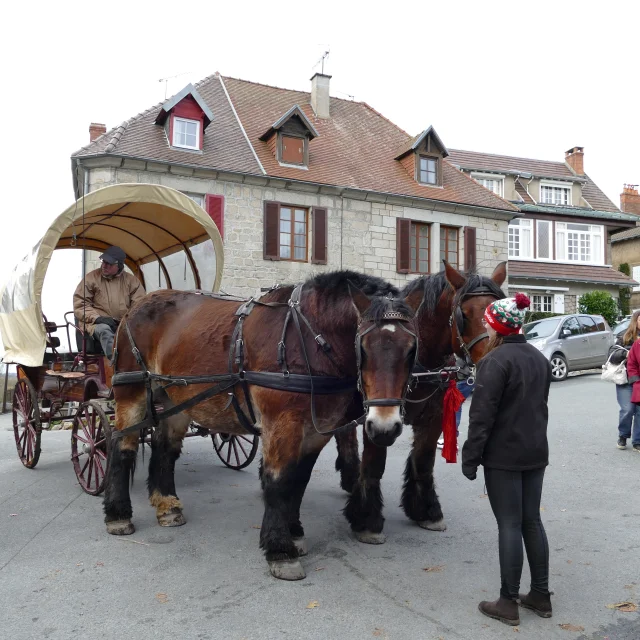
<point>62,576</point>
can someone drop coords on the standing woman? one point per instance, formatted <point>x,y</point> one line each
<point>629,412</point>
<point>508,436</point>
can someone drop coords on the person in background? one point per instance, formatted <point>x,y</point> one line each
<point>508,436</point>
<point>629,419</point>
<point>104,296</point>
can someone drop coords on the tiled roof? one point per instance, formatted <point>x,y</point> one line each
<point>567,272</point>
<point>355,147</point>
<point>629,234</point>
<point>579,212</point>
<point>225,147</point>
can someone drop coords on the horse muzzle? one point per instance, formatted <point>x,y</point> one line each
<point>383,424</point>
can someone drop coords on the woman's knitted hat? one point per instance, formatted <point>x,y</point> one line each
<point>506,316</point>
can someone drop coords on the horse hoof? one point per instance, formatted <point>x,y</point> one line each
<point>176,519</point>
<point>120,527</point>
<point>368,537</point>
<point>433,525</point>
<point>287,569</point>
<point>301,546</point>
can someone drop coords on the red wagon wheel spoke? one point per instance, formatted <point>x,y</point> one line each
<point>237,441</point>
<point>81,439</point>
<point>225,444</point>
<point>235,451</point>
<point>26,422</point>
<point>90,436</point>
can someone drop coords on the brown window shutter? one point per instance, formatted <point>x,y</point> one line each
<point>469,248</point>
<point>215,208</point>
<point>403,245</point>
<point>319,236</point>
<point>271,231</point>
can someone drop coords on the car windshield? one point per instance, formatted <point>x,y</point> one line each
<point>540,329</point>
<point>621,326</point>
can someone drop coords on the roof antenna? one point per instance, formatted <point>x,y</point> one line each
<point>323,57</point>
<point>166,81</point>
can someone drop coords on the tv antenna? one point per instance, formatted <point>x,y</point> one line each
<point>323,57</point>
<point>166,81</point>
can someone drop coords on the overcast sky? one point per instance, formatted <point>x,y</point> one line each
<point>528,79</point>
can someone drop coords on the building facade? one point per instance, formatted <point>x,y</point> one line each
<point>625,246</point>
<point>300,183</point>
<point>560,248</point>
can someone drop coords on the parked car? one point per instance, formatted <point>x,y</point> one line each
<point>621,326</point>
<point>572,342</point>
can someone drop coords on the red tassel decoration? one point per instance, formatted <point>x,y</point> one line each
<point>453,400</point>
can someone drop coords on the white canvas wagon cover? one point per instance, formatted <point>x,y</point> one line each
<point>149,222</point>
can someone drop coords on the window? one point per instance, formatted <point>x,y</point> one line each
<point>419,248</point>
<point>572,325</point>
<point>293,234</point>
<point>541,303</point>
<point>543,229</point>
<point>635,274</point>
<point>186,133</point>
<point>292,150</point>
<point>198,199</point>
<point>494,184</point>
<point>579,242</point>
<point>551,194</point>
<point>449,245</point>
<point>521,239</point>
<point>428,170</point>
<point>588,325</point>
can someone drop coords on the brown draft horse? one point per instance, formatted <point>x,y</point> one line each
<point>185,333</point>
<point>449,320</point>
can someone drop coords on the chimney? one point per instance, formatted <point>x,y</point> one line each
<point>630,199</point>
<point>575,159</point>
<point>96,130</point>
<point>320,95</point>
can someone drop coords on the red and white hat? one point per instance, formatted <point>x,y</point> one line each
<point>506,316</point>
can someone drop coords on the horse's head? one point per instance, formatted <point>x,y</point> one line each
<point>473,293</point>
<point>386,348</point>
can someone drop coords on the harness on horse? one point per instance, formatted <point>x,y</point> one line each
<point>284,381</point>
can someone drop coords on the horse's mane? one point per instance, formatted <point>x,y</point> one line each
<point>382,305</point>
<point>435,285</point>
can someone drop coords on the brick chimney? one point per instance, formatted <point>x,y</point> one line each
<point>630,199</point>
<point>320,95</point>
<point>96,130</point>
<point>575,159</point>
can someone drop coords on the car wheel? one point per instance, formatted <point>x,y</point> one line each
<point>559,367</point>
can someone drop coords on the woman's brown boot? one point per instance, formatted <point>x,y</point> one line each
<point>539,603</point>
<point>502,609</point>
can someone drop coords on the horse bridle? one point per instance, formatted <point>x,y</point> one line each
<point>457,317</point>
<point>402,320</point>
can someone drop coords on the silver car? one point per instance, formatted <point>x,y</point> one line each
<point>571,343</point>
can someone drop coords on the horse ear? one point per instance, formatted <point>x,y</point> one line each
<point>499,274</point>
<point>453,276</point>
<point>414,299</point>
<point>360,299</point>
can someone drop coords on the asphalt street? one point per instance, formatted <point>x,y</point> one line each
<point>62,576</point>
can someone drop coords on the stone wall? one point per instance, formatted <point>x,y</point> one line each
<point>362,234</point>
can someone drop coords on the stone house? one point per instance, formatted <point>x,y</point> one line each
<point>301,182</point>
<point>625,246</point>
<point>560,248</point>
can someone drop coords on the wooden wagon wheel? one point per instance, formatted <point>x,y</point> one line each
<point>89,437</point>
<point>27,427</point>
<point>236,452</point>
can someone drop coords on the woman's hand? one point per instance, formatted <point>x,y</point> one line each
<point>469,471</point>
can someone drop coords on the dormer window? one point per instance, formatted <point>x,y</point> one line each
<point>428,170</point>
<point>186,133</point>
<point>292,150</point>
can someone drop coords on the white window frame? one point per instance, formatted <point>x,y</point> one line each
<point>595,234</point>
<point>542,302</point>
<point>198,198</point>
<point>481,178</point>
<point>176,120</point>
<point>635,274</point>
<point>567,186</point>
<point>511,234</point>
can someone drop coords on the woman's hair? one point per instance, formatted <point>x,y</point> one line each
<point>493,343</point>
<point>631,334</point>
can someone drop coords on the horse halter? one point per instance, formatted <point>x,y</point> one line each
<point>458,318</point>
<point>402,320</point>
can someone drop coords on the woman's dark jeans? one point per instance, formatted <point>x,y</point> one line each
<point>515,500</point>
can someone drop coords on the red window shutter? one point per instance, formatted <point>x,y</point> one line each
<point>403,245</point>
<point>271,231</point>
<point>215,209</point>
<point>469,248</point>
<point>319,236</point>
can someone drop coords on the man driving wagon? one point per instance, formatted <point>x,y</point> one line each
<point>104,296</point>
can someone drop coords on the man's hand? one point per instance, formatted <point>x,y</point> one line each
<point>469,472</point>
<point>110,322</point>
